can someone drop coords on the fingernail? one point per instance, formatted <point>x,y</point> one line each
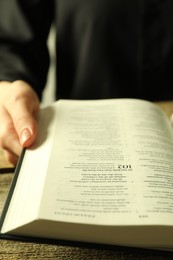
<point>25,135</point>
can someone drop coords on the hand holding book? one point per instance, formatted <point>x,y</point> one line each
<point>101,171</point>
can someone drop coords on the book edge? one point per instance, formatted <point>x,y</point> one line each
<point>11,189</point>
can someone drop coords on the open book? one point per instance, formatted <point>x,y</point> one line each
<point>101,171</point>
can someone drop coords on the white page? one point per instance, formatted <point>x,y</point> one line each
<point>111,162</point>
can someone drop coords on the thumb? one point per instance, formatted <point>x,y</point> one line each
<point>23,110</point>
<point>25,122</point>
<point>28,133</point>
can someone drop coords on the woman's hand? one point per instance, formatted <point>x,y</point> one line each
<point>19,106</point>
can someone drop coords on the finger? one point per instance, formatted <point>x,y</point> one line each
<point>25,123</point>
<point>11,157</point>
<point>24,116</point>
<point>26,128</point>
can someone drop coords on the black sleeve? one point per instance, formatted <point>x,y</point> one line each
<point>24,27</point>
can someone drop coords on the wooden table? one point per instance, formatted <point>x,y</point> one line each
<point>65,250</point>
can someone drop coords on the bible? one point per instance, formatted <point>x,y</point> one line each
<point>101,171</point>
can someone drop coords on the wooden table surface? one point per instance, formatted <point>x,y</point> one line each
<point>65,250</point>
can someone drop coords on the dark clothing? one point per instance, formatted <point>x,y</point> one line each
<point>105,48</point>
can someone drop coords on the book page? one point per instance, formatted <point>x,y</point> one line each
<point>111,162</point>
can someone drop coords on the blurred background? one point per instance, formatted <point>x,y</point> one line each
<point>48,94</point>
